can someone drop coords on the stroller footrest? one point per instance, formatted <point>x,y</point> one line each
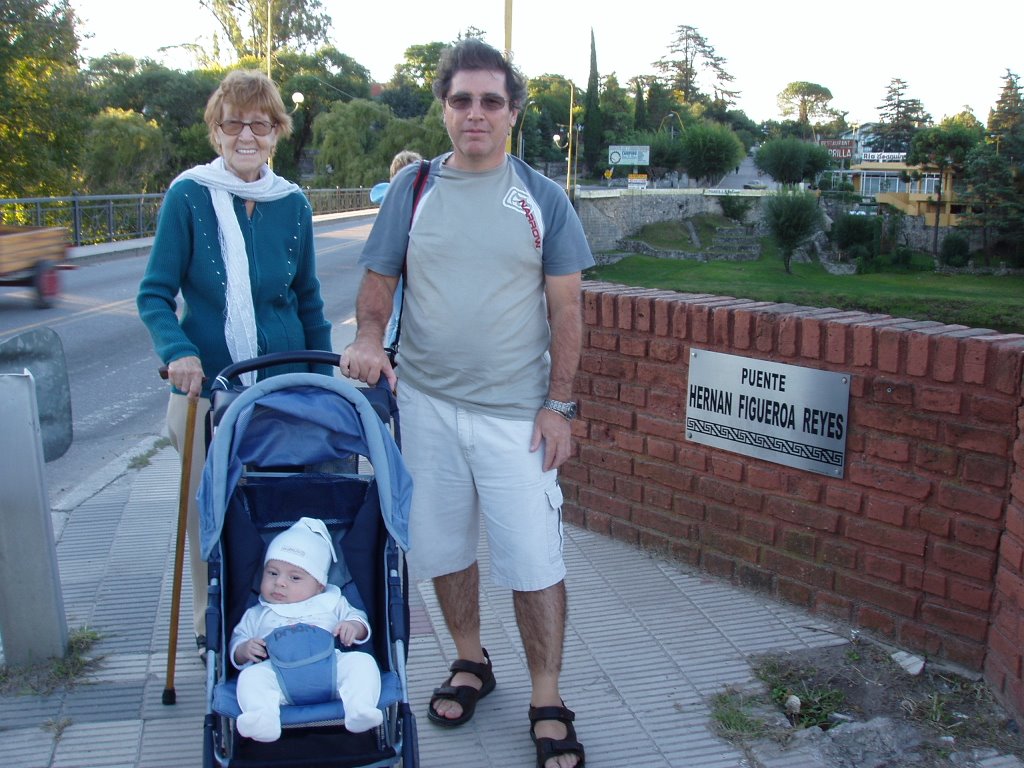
<point>225,703</point>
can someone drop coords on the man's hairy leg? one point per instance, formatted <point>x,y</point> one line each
<point>541,618</point>
<point>459,596</point>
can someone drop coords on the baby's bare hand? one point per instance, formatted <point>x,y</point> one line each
<point>348,632</point>
<point>255,650</point>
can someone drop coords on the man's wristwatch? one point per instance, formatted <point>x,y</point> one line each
<point>568,410</point>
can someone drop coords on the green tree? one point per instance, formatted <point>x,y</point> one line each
<point>710,150</point>
<point>124,153</point>
<point>616,117</point>
<point>941,148</point>
<point>966,119</point>
<point>593,119</point>
<point>639,106</point>
<point>551,96</point>
<point>659,104</point>
<point>294,24</point>
<point>409,93</point>
<point>805,100</point>
<point>746,129</point>
<point>406,99</point>
<point>357,140</point>
<point>790,160</point>
<point>666,151</point>
<point>792,218</point>
<point>899,118</point>
<point>420,65</point>
<point>690,54</point>
<point>174,100</point>
<point>350,137</point>
<point>1006,120</point>
<point>322,78</point>
<point>996,205</point>
<point>44,105</point>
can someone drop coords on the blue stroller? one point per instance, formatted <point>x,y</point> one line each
<point>306,445</point>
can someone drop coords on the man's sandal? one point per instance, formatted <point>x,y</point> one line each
<point>465,695</point>
<point>549,748</point>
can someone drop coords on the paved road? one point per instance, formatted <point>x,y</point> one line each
<point>117,399</point>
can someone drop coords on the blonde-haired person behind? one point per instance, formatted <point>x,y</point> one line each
<point>235,240</point>
<point>402,159</point>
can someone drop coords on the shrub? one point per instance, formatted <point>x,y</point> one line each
<point>735,208</point>
<point>861,256</point>
<point>902,256</point>
<point>791,218</point>
<point>955,250</point>
<point>849,230</point>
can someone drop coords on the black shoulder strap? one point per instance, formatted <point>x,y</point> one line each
<point>417,191</point>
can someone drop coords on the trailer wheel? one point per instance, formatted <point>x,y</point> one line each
<point>46,281</point>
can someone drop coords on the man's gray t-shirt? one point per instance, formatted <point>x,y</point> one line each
<point>474,326</point>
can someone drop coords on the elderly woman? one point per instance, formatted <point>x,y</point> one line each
<point>236,241</point>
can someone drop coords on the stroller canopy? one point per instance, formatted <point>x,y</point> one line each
<point>299,419</point>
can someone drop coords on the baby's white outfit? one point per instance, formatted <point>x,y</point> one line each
<point>259,692</point>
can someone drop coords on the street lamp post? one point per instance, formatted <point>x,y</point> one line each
<point>522,125</point>
<point>569,137</point>
<point>268,36</point>
<point>671,127</point>
<point>568,168</point>
<point>576,155</point>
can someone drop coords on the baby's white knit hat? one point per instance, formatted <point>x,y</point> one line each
<point>306,544</point>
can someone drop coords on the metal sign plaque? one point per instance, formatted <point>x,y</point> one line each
<point>786,414</point>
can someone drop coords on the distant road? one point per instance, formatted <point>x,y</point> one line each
<point>746,173</point>
<point>117,398</point>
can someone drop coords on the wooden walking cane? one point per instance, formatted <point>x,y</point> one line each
<point>169,696</point>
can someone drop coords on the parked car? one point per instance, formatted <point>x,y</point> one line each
<point>755,185</point>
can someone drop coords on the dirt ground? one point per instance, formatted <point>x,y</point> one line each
<point>956,718</point>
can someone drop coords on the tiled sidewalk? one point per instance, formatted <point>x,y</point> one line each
<point>648,645</point>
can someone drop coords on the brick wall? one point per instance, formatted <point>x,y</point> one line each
<point>921,541</point>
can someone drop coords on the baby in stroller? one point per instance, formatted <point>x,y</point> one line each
<point>294,627</point>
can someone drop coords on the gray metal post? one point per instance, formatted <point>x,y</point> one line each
<point>32,621</point>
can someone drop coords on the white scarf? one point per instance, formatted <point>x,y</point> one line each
<point>239,316</point>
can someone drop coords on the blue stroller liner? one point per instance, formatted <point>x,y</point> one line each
<point>295,424</point>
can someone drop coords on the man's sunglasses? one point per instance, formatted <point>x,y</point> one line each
<point>489,102</point>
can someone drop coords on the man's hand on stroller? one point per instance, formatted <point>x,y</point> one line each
<point>366,360</point>
<point>253,650</point>
<point>348,632</point>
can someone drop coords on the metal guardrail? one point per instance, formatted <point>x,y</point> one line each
<point>108,218</point>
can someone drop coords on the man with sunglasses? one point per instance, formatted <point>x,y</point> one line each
<point>490,341</point>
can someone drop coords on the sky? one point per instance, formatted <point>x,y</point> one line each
<point>948,60</point>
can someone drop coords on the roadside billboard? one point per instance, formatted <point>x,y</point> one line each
<point>626,155</point>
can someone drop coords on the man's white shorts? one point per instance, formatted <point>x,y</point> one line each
<point>464,466</point>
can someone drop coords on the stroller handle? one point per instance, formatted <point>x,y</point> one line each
<point>312,356</point>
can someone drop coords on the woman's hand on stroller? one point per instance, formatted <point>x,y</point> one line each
<point>348,632</point>
<point>252,650</point>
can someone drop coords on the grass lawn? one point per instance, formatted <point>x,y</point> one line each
<point>974,301</point>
